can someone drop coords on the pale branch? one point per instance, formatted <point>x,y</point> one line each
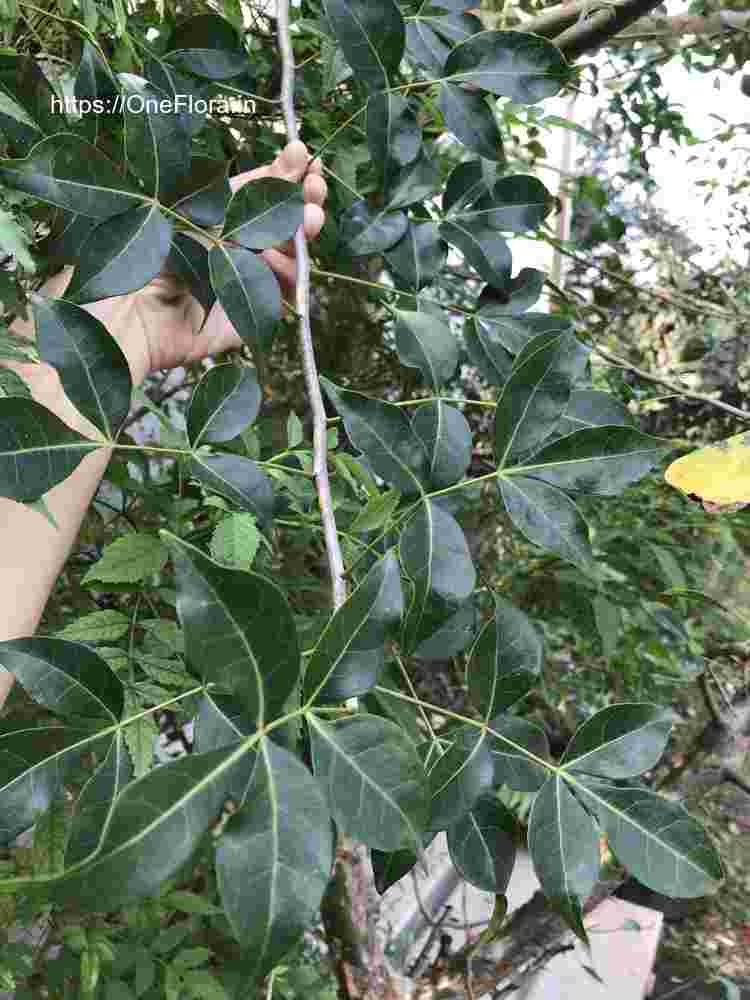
<point>312,382</point>
<point>591,33</point>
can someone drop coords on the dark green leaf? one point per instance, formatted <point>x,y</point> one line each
<point>483,249</point>
<point>621,741</point>
<point>517,203</point>
<point>188,260</point>
<point>513,767</point>
<point>93,82</point>
<point>225,401</point>
<point>121,255</point>
<point>93,370</point>
<point>452,637</point>
<point>94,805</point>
<point>249,292</point>
<point>363,231</point>
<point>657,840</point>
<point>459,777</point>
<point>497,327</point>
<point>469,117</point>
<point>239,630</point>
<point>482,845</point>
<point>220,722</point>
<point>67,171</point>
<point>157,143</point>
<point>547,517</point>
<point>446,436</point>
<point>26,109</point>
<point>349,655</point>
<point>208,46</point>
<point>206,192</point>
<point>591,408</point>
<point>564,846</point>
<point>372,36</point>
<point>238,479</point>
<point>390,867</point>
<point>372,778</point>
<point>505,661</point>
<point>383,432</point>
<point>67,234</point>
<point>523,292</point>
<point>601,460</point>
<point>424,47</point>
<point>393,135</point>
<point>426,343</point>
<point>179,87</point>
<point>524,67</point>
<point>37,450</point>
<point>487,354</point>
<point>468,182</point>
<point>264,213</point>
<point>274,858</point>
<point>414,183</point>
<point>419,257</point>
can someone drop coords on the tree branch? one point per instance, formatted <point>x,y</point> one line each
<point>592,33</point>
<point>312,383</point>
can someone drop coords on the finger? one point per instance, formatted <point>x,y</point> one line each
<point>316,167</point>
<point>315,218</point>
<point>283,267</point>
<point>315,189</point>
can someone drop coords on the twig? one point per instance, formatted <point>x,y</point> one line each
<point>320,433</point>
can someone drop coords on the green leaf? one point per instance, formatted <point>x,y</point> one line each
<point>128,559</point>
<point>482,845</point>
<point>93,82</point>
<point>50,832</point>
<point>190,902</point>
<point>591,408</point>
<point>468,182</point>
<point>378,512</point>
<point>393,134</point>
<point>459,777</point>
<point>564,846</point>
<point>188,260</point>
<point>37,450</point>
<point>67,171</point>
<point>517,203</point>
<point>446,437</point>
<point>468,116</point>
<point>66,677</point>
<point>608,623</point>
<point>372,36</point>
<point>140,736</point>
<point>94,804</point>
<point>452,637</point>
<point>364,231</point>
<point>547,517</point>
<point>235,541</point>
<point>483,249</point>
<point>489,356</point>
<point>226,401</point>
<point>204,195</point>
<point>505,662</point>
<point>249,292</point>
<point>599,460</point>
<point>154,827</point>
<point>157,143</point>
<point>372,778</point>
<point>239,630</point>
<point>274,858</point>
<point>11,384</point>
<point>383,433</point>
<point>208,46</point>
<point>536,393</point>
<point>99,626</point>
<point>26,109</point>
<point>656,840</point>
<point>436,557</point>
<point>414,183</point>
<point>419,256</point>
<point>238,479</point>
<point>496,326</point>
<point>524,67</point>
<point>93,370</point>
<point>426,343</point>
<point>513,767</point>
<point>390,867</point>
<point>121,255</point>
<point>621,741</point>
<point>14,240</point>
<point>349,655</point>
<point>424,47</point>
<point>220,722</point>
<point>264,213</point>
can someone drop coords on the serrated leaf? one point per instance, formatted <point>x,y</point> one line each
<point>426,343</point>
<point>98,626</point>
<point>238,479</point>
<point>349,655</point>
<point>140,736</point>
<point>364,231</point>
<point>128,559</point>
<point>505,661</point>
<point>273,859</point>
<point>93,370</point>
<point>235,541</point>
<point>564,846</point>
<point>188,260</point>
<point>249,292</point>
<point>50,832</point>
<point>372,36</point>
<point>372,778</point>
<point>419,256</point>
<point>459,777</point>
<point>446,436</point>
<point>468,116</point>
<point>66,677</point>
<point>482,845</point>
<point>226,401</point>
<point>436,557</point>
<point>121,255</point>
<point>67,171</point>
<point>524,67</point>
<point>513,767</point>
<point>383,432</point>
<point>547,517</point>
<point>264,213</point>
<point>621,741</point>
<point>656,840</point>
<point>11,384</point>
<point>94,804</point>
<point>37,450</point>
<point>239,630</point>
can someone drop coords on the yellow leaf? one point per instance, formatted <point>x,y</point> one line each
<point>719,475</point>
